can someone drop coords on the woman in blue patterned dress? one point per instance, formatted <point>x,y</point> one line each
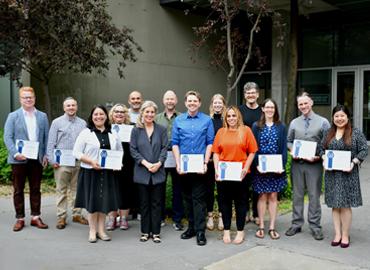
<point>270,134</point>
<point>342,188</point>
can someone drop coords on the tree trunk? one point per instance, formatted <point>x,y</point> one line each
<point>293,62</point>
<point>47,103</point>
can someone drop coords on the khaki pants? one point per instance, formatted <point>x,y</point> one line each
<point>66,182</point>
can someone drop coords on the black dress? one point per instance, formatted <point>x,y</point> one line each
<point>98,190</point>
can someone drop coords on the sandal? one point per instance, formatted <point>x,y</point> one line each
<point>144,237</point>
<point>274,235</point>
<point>260,233</point>
<point>157,238</point>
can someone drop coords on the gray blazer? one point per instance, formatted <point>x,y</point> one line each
<point>15,128</point>
<point>141,148</point>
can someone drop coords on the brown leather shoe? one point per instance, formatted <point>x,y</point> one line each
<point>61,223</point>
<point>80,219</point>
<point>38,223</point>
<point>18,226</point>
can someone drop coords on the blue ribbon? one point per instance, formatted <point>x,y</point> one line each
<point>116,128</point>
<point>20,146</point>
<point>298,145</point>
<point>330,159</point>
<point>264,161</point>
<point>185,160</point>
<point>58,153</point>
<point>223,167</point>
<point>103,155</point>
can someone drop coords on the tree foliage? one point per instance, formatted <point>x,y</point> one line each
<point>62,36</point>
<point>233,49</point>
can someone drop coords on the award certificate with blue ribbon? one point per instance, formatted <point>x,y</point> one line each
<point>170,160</point>
<point>229,171</point>
<point>110,159</point>
<point>270,163</point>
<point>304,149</point>
<point>64,157</point>
<point>192,163</point>
<point>29,149</point>
<point>123,132</point>
<point>337,160</point>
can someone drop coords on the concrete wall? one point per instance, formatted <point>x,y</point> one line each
<point>165,35</point>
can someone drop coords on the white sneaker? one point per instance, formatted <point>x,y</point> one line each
<point>210,223</point>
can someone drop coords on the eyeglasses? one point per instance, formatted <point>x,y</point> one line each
<point>27,97</point>
<point>251,93</point>
<point>119,112</point>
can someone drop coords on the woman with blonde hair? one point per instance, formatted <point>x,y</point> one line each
<point>217,108</point>
<point>118,115</point>
<point>234,143</point>
<point>149,149</point>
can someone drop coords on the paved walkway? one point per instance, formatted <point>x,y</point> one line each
<point>68,249</point>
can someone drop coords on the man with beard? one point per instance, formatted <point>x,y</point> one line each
<point>135,100</point>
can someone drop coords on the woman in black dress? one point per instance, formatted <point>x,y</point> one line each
<point>97,188</point>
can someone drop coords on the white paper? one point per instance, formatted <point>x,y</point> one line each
<point>192,163</point>
<point>304,149</point>
<point>337,160</point>
<point>110,159</point>
<point>29,149</point>
<point>170,161</point>
<point>270,163</point>
<point>65,157</point>
<point>123,131</point>
<point>229,171</point>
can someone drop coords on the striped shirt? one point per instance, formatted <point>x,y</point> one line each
<point>63,133</point>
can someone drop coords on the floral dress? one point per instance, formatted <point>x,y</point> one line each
<point>269,182</point>
<point>342,189</point>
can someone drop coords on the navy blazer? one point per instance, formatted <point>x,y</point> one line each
<point>282,141</point>
<point>154,151</point>
<point>15,128</point>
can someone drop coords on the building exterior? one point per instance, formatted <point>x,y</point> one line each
<point>334,62</point>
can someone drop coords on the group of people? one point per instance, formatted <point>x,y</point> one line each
<point>228,134</point>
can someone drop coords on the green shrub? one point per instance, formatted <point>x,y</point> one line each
<point>287,192</point>
<point>5,168</point>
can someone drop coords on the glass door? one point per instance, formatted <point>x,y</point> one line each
<point>346,92</point>
<point>365,87</point>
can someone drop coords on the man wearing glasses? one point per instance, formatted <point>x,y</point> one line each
<point>62,136</point>
<point>251,113</point>
<point>27,126</point>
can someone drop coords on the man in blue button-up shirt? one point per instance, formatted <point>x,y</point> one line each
<point>193,133</point>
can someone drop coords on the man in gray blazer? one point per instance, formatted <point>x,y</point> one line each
<point>26,125</point>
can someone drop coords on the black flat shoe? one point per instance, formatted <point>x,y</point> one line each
<point>189,233</point>
<point>201,239</point>
<point>292,231</point>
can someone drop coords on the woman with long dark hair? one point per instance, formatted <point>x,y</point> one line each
<point>97,188</point>
<point>342,188</point>
<point>271,138</point>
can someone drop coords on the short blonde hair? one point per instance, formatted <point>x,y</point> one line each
<point>26,89</point>
<point>217,96</point>
<point>127,116</point>
<point>146,104</point>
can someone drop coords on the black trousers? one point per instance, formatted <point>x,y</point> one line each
<point>177,201</point>
<point>237,192</point>
<point>194,190</point>
<point>253,196</point>
<point>150,197</point>
<point>210,182</point>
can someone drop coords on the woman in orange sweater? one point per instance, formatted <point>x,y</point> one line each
<point>234,143</point>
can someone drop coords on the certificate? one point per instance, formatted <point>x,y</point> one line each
<point>29,149</point>
<point>123,132</point>
<point>270,163</point>
<point>170,160</point>
<point>192,163</point>
<point>337,160</point>
<point>110,159</point>
<point>230,171</point>
<point>304,149</point>
<point>64,157</point>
